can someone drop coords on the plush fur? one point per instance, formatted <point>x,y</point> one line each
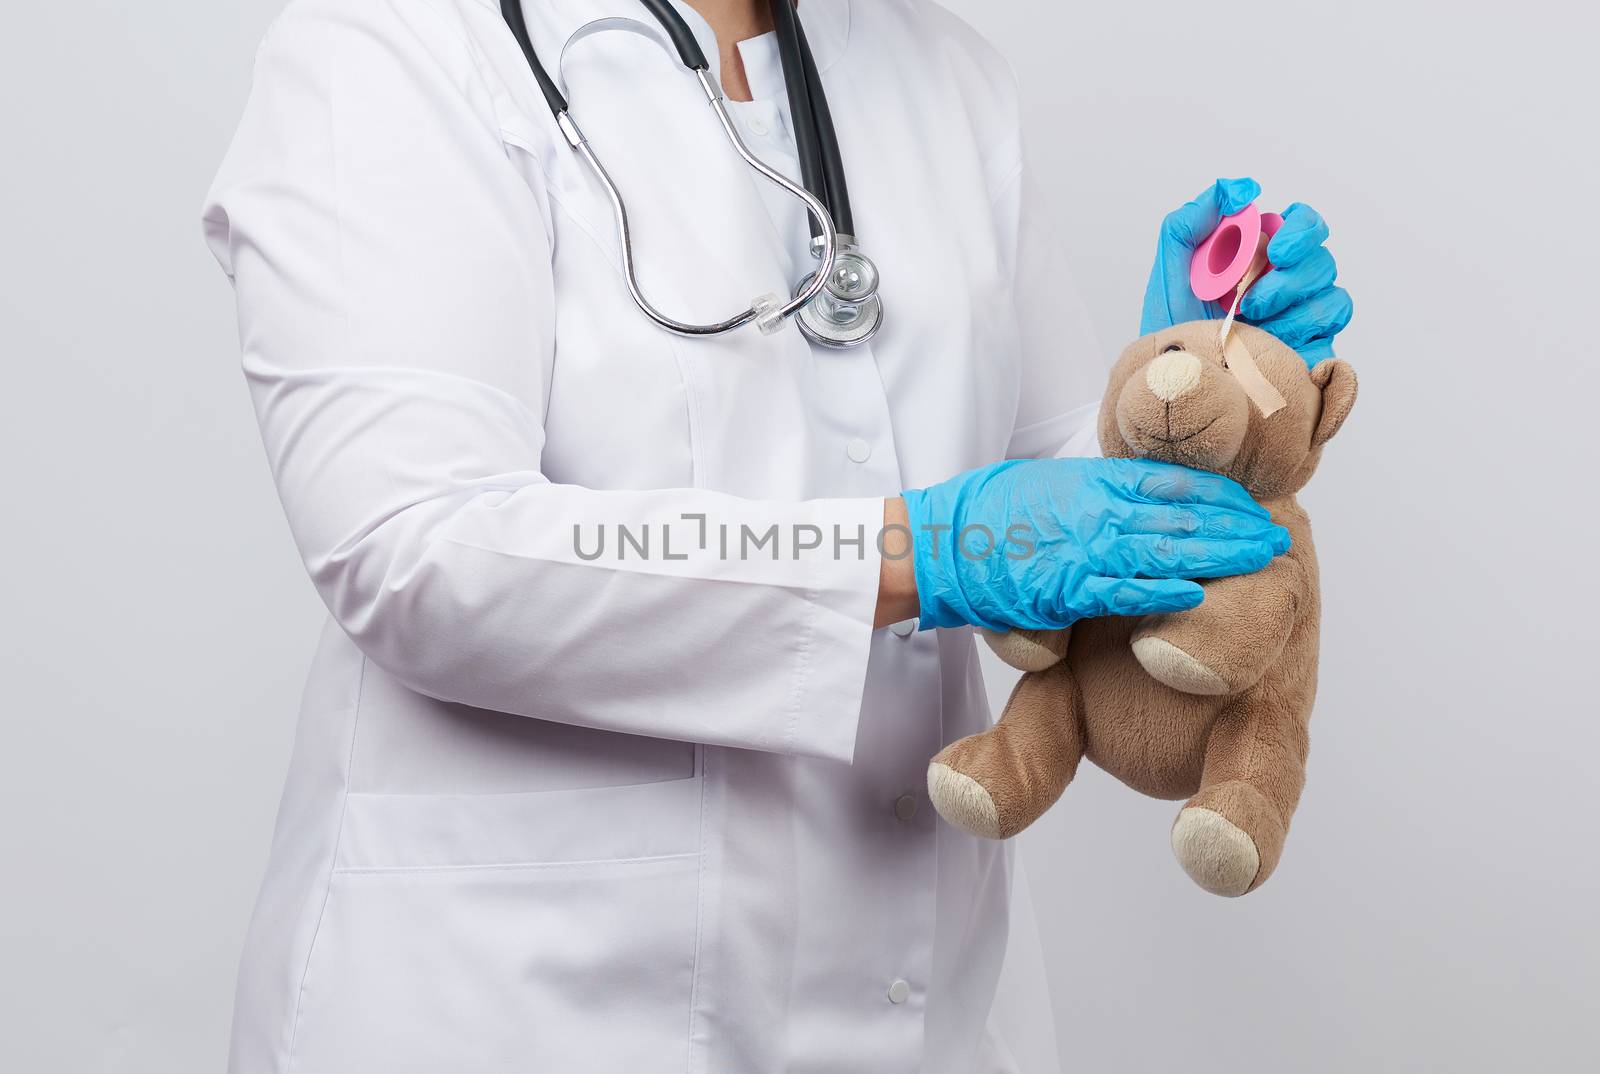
<point>1210,705</point>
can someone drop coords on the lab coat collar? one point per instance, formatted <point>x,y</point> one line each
<point>826,22</point>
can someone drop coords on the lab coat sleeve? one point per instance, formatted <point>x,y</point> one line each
<point>1063,369</point>
<point>396,309</point>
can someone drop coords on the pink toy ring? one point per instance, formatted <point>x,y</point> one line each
<point>1227,253</point>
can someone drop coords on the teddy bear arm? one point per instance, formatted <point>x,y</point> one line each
<point>1230,641</point>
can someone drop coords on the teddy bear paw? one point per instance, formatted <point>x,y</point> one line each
<point>963,801</point>
<point>1215,852</point>
<point>1171,666</point>
<point>1022,649</point>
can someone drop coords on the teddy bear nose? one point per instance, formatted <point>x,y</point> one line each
<point>1172,375</point>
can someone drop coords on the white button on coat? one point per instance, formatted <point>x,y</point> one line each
<point>899,991</point>
<point>905,806</point>
<point>517,761</point>
<point>858,450</point>
<point>904,628</point>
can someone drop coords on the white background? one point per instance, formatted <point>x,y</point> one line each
<point>1435,908</point>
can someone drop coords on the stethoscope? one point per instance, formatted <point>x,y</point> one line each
<point>837,305</point>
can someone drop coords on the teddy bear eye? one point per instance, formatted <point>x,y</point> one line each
<point>1172,347</point>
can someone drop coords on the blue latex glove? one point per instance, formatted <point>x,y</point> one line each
<point>1297,301</point>
<point>1041,544</point>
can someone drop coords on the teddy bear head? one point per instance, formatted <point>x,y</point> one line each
<point>1173,398</point>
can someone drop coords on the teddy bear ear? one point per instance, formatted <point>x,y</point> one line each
<point>1337,382</point>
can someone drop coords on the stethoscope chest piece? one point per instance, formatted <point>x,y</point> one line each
<point>848,310</point>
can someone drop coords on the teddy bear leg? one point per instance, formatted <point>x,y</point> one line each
<point>1229,836</point>
<point>1226,644</point>
<point>999,781</point>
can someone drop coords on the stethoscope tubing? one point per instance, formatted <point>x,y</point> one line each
<point>619,212</point>
<point>768,310</point>
<point>816,143</point>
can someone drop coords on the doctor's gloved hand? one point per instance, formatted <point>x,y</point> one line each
<point>1297,301</point>
<point>1040,544</point>
<point>1168,299</point>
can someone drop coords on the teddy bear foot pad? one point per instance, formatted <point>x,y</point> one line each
<point>1171,666</point>
<point>1215,852</point>
<point>962,801</point>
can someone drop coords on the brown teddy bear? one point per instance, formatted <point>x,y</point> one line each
<point>1210,704</point>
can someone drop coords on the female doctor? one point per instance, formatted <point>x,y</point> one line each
<point>584,782</point>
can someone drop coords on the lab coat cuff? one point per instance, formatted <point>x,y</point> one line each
<point>835,639</point>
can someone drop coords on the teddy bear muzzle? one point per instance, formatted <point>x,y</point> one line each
<point>1184,408</point>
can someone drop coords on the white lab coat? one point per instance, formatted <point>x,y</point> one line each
<point>623,815</point>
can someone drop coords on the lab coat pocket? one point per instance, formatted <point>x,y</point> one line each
<point>552,931</point>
